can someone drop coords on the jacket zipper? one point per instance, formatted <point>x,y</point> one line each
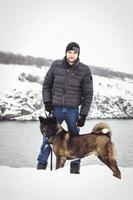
<point>65,86</point>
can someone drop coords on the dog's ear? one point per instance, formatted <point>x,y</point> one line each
<point>41,119</point>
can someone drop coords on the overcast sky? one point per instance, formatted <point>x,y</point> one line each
<point>103,29</point>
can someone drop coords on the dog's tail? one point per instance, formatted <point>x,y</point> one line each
<point>102,129</point>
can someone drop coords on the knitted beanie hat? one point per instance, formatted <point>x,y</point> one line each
<point>73,46</point>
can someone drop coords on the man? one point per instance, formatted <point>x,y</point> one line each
<point>68,84</point>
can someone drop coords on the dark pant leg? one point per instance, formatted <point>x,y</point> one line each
<point>71,118</point>
<point>44,151</point>
<point>58,113</point>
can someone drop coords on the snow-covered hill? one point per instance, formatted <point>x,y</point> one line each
<point>21,94</point>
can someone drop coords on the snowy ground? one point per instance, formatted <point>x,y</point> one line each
<point>9,77</point>
<point>95,182</point>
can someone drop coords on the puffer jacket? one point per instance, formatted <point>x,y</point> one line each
<point>72,86</point>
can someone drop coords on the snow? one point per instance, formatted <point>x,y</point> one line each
<point>111,87</point>
<point>22,100</point>
<point>9,77</point>
<point>94,182</point>
<point>9,80</point>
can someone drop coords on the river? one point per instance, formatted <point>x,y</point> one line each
<point>20,142</point>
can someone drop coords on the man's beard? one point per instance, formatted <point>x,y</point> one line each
<point>72,62</point>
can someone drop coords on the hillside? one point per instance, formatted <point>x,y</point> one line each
<point>21,95</point>
<point>18,59</point>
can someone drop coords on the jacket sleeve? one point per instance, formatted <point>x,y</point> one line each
<point>87,92</point>
<point>48,85</point>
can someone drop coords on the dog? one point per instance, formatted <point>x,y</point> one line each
<point>69,147</point>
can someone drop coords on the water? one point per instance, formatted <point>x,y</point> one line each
<point>20,142</point>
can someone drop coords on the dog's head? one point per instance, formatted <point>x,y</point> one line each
<point>48,126</point>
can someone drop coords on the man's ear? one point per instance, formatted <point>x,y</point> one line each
<point>41,119</point>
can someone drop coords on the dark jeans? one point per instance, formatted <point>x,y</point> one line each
<point>70,116</point>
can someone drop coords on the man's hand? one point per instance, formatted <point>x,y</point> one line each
<point>48,106</point>
<point>81,120</point>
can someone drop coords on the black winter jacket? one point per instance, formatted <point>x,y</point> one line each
<point>72,86</point>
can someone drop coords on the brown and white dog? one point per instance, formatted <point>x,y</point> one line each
<point>69,147</point>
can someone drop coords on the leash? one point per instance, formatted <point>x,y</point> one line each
<point>51,150</point>
<point>51,158</point>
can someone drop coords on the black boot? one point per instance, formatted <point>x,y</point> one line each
<point>74,168</point>
<point>41,166</point>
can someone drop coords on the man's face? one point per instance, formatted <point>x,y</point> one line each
<point>71,56</point>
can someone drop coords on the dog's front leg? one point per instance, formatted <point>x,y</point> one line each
<point>60,161</point>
